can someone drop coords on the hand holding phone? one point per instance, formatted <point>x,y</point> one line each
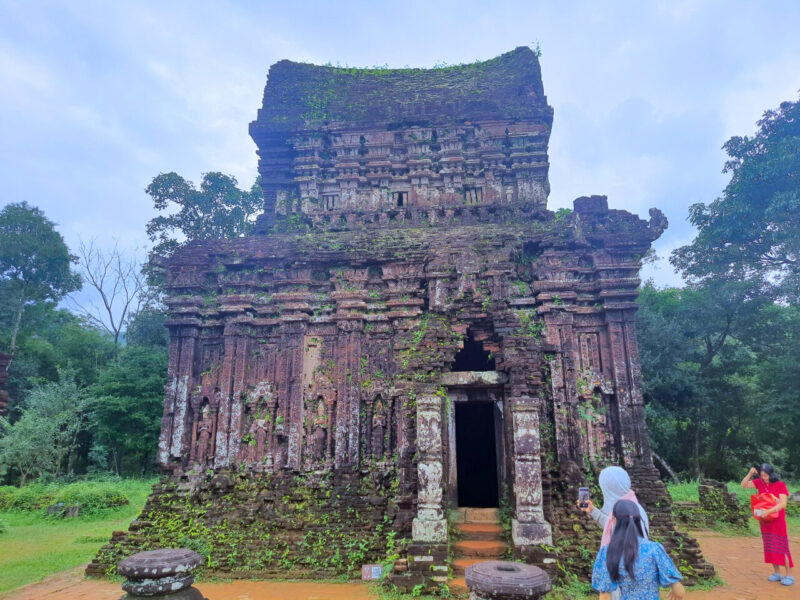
<point>583,497</point>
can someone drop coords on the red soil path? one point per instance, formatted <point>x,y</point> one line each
<point>738,561</point>
<point>72,585</point>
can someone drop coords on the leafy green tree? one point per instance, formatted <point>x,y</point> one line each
<point>217,210</point>
<point>45,438</point>
<point>34,266</point>
<point>775,337</point>
<point>21,449</point>
<point>126,408</point>
<point>752,233</point>
<point>146,328</point>
<point>51,340</point>
<point>697,376</point>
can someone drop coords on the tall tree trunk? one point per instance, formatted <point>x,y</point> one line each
<point>15,330</point>
<point>72,447</point>
<point>696,447</point>
<point>667,468</point>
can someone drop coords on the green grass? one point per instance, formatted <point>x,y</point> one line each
<point>35,546</point>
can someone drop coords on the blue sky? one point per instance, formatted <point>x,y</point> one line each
<point>96,98</point>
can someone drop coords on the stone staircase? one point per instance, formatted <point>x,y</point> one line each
<point>481,539</point>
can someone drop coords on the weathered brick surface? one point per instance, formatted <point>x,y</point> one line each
<point>395,234</point>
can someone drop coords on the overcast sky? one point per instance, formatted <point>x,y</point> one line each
<point>96,98</point>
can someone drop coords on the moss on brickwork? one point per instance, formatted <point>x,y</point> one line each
<point>286,525</point>
<point>299,94</point>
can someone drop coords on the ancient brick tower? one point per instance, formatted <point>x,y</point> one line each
<point>409,330</point>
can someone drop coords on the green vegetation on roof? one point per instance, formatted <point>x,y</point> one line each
<point>304,96</point>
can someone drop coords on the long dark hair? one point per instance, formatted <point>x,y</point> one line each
<point>624,544</point>
<point>770,471</point>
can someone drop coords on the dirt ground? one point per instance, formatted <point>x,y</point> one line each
<point>740,564</point>
<point>72,585</point>
<point>738,561</point>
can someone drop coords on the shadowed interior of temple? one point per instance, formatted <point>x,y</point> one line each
<point>472,357</point>
<point>476,456</point>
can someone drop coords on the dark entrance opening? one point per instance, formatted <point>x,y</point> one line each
<point>472,357</point>
<point>476,458</point>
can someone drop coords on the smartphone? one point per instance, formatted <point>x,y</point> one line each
<point>583,497</point>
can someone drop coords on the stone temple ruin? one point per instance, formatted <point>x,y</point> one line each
<point>409,330</point>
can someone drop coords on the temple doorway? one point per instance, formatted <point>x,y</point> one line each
<point>476,454</point>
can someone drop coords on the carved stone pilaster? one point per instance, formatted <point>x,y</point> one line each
<point>627,382</point>
<point>528,526</point>
<point>429,525</point>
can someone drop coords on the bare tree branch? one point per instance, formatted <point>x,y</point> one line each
<point>118,283</point>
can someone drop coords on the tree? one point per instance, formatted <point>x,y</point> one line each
<point>775,336</point>
<point>51,340</point>
<point>126,407</point>
<point>218,210</point>
<point>752,233</point>
<point>21,447</point>
<point>34,264</point>
<point>146,328</point>
<point>698,375</point>
<point>45,437</point>
<point>117,281</point>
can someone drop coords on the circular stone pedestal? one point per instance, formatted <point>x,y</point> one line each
<point>161,574</point>
<point>502,580</point>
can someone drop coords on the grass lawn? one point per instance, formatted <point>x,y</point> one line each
<point>35,546</point>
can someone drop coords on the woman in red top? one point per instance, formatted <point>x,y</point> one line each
<point>773,533</point>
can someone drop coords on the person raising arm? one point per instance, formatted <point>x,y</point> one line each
<point>774,533</point>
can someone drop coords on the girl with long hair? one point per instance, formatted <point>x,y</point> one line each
<point>615,483</point>
<point>632,564</point>
<point>774,533</point>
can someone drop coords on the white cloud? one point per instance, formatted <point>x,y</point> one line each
<point>98,97</point>
<point>764,87</point>
<point>22,78</point>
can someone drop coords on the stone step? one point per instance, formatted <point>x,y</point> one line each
<point>457,515</point>
<point>480,548</point>
<point>458,586</point>
<point>460,565</point>
<point>480,531</point>
<point>481,515</point>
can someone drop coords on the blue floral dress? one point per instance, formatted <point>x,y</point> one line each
<point>653,569</point>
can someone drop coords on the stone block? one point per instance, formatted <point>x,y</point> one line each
<point>531,534</point>
<point>429,531</point>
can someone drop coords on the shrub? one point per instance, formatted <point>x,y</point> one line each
<point>92,496</point>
